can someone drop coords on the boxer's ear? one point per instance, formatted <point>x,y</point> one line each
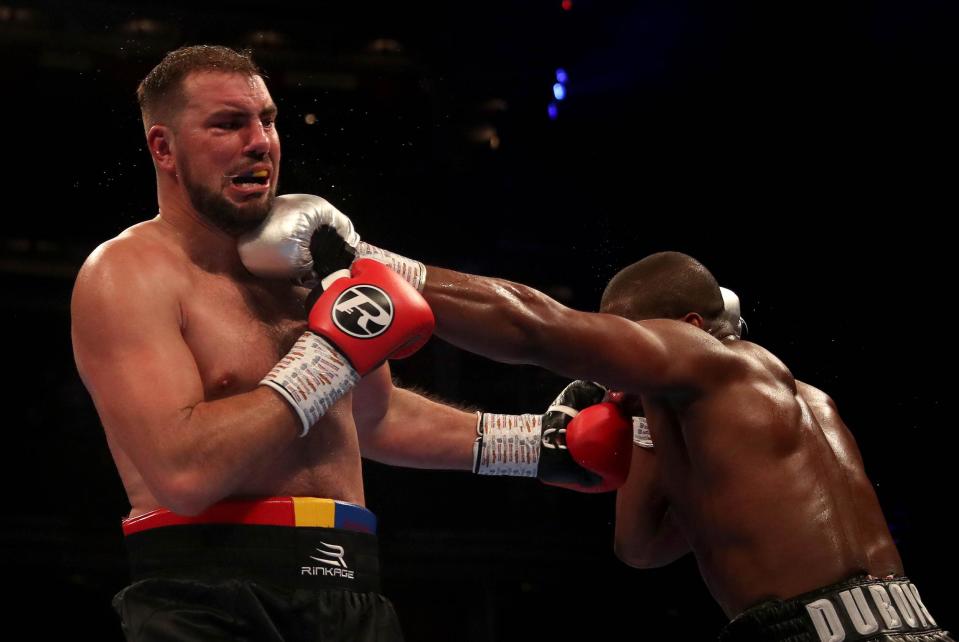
<point>694,318</point>
<point>160,143</point>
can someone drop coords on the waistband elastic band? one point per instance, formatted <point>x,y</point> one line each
<point>270,511</point>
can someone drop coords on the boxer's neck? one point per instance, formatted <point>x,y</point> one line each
<point>209,247</point>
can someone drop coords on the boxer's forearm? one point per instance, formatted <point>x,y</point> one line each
<point>662,545</point>
<point>417,432</point>
<point>646,534</point>
<point>214,446</point>
<point>513,323</point>
<point>498,319</point>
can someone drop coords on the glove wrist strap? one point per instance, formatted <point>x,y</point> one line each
<point>507,444</point>
<point>413,272</point>
<point>641,436</point>
<point>311,377</point>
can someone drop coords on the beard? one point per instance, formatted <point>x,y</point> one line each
<point>226,216</point>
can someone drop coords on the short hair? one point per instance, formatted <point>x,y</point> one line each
<point>666,285</point>
<point>160,93</point>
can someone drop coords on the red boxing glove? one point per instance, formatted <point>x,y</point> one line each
<point>600,439</point>
<point>372,315</point>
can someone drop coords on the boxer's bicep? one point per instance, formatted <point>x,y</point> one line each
<point>657,356</point>
<point>132,356</point>
<point>513,323</point>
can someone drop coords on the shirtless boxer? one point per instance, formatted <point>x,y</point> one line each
<point>752,471</point>
<point>236,429</point>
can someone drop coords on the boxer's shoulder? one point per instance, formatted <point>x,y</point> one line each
<point>144,250</point>
<point>741,368</point>
<point>136,264</point>
<point>760,363</point>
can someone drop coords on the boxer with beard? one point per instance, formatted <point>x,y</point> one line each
<point>236,419</point>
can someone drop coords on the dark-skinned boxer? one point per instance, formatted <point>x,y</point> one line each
<point>752,471</point>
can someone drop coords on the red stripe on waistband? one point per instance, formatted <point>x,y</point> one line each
<point>271,511</point>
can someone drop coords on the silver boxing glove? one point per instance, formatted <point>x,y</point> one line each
<point>280,247</point>
<point>732,314</point>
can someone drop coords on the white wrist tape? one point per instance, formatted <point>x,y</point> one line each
<point>507,444</point>
<point>413,272</point>
<point>641,436</point>
<point>311,377</point>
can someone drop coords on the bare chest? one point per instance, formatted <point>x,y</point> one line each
<point>237,331</point>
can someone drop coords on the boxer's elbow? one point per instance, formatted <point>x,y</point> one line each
<point>643,557</point>
<point>648,546</point>
<point>633,556</point>
<point>183,492</point>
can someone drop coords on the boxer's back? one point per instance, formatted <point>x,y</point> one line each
<point>881,553</point>
<point>771,505</point>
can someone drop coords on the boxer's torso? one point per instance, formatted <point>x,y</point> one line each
<point>770,506</point>
<point>237,328</point>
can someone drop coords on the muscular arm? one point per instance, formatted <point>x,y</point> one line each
<point>401,428</point>
<point>646,533</point>
<point>513,323</point>
<point>144,381</point>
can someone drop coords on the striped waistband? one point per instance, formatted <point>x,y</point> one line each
<point>269,511</point>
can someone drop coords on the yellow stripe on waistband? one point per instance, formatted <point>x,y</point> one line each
<point>314,511</point>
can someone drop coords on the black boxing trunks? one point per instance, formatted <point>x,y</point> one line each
<point>282,568</point>
<point>860,608</point>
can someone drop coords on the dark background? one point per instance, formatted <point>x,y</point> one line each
<point>806,152</point>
